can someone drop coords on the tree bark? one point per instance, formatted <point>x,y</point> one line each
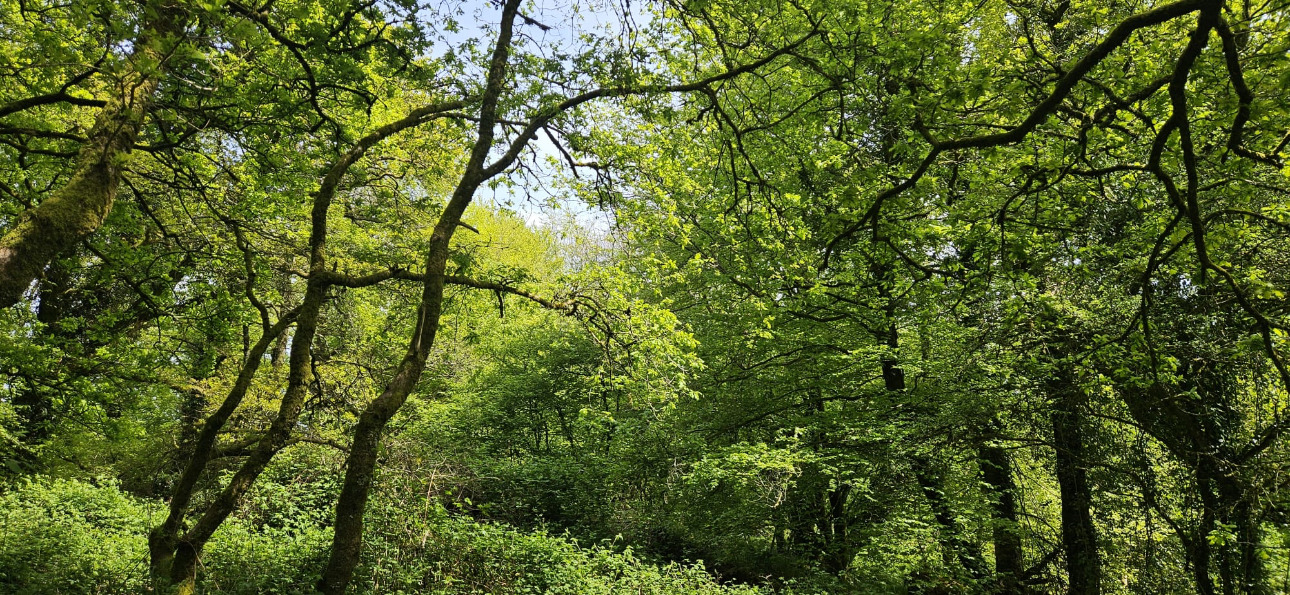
<point>1202,552</point>
<point>838,549</point>
<point>996,472</point>
<point>1251,572</point>
<point>1079,536</point>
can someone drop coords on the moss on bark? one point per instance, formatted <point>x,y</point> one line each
<point>80,206</point>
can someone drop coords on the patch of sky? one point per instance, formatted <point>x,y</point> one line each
<point>542,188</point>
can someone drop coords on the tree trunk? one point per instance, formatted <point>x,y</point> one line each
<point>1079,537</point>
<point>1241,568</point>
<point>996,472</point>
<point>1252,575</point>
<point>185,549</point>
<point>80,206</point>
<point>838,550</point>
<point>361,463</point>
<point>1202,553</point>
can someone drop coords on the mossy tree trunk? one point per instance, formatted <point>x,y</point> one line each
<point>79,207</point>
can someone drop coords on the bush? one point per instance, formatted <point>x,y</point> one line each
<point>245,559</point>
<point>459,556</point>
<point>65,536</point>
<point>62,536</point>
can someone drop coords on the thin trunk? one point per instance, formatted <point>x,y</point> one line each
<point>1201,554</point>
<point>80,206</point>
<point>1226,499</point>
<point>1241,568</point>
<point>361,464</point>
<point>996,472</point>
<point>1225,571</point>
<point>187,548</point>
<point>165,538</point>
<point>807,518</point>
<point>1079,537</point>
<point>838,550</point>
<point>1252,573</point>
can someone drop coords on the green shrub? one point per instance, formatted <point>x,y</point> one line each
<point>65,536</point>
<point>62,536</point>
<point>245,559</point>
<point>438,553</point>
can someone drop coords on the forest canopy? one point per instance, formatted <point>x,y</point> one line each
<point>678,296</point>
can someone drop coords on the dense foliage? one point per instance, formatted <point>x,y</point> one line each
<point>710,296</point>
